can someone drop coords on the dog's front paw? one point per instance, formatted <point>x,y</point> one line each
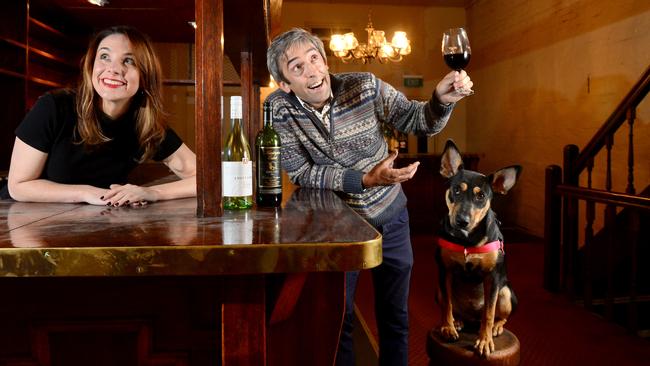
<point>497,329</point>
<point>484,344</point>
<point>449,332</point>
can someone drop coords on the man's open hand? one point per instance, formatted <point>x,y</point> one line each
<point>384,174</point>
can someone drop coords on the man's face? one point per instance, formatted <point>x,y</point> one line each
<point>307,73</point>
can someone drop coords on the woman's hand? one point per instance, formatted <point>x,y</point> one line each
<point>93,195</point>
<point>129,194</point>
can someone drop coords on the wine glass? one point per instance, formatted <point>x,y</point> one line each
<point>457,52</point>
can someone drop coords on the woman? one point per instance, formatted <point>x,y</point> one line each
<point>79,146</point>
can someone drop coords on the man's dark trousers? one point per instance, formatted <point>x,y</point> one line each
<point>391,286</point>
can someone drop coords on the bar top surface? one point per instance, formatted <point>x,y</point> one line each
<point>314,230</point>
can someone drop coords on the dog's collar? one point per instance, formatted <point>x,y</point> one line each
<point>489,247</point>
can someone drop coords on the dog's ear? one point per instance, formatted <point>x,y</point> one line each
<point>451,161</point>
<point>504,179</point>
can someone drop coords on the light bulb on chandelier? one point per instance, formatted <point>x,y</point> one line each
<point>347,48</point>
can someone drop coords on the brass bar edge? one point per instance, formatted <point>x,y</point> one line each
<point>190,260</point>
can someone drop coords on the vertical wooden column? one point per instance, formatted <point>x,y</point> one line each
<point>247,95</point>
<point>256,121</point>
<point>209,91</point>
<point>255,109</point>
<point>630,116</point>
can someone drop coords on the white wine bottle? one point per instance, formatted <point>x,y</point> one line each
<point>236,164</point>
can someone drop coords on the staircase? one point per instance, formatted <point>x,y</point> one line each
<point>596,240</point>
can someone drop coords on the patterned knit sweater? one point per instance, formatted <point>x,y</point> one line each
<point>337,158</point>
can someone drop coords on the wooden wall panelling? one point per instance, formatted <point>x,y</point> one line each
<point>121,342</point>
<point>13,55</point>
<point>11,113</point>
<point>130,321</point>
<point>54,49</point>
<point>35,57</point>
<point>244,343</point>
<point>304,335</point>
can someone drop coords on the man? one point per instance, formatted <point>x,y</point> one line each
<point>331,132</point>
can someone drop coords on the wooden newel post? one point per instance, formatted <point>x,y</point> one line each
<point>209,91</point>
<point>570,222</point>
<point>552,229</point>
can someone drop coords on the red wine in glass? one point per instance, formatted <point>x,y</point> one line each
<point>457,61</point>
<point>457,52</point>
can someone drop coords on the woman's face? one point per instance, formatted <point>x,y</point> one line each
<point>116,77</point>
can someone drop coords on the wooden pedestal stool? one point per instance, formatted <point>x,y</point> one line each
<point>462,353</point>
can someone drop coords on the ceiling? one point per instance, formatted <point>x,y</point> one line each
<point>165,21</point>
<point>453,3</point>
<point>162,20</point>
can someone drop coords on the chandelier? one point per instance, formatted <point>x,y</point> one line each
<point>347,48</point>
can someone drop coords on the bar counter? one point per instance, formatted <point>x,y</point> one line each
<point>274,279</point>
<point>314,231</point>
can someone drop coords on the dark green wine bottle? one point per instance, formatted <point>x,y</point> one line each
<point>269,177</point>
<point>236,164</point>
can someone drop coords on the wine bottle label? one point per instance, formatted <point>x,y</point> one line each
<point>269,179</point>
<point>237,178</point>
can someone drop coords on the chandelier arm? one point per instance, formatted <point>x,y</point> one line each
<point>397,57</point>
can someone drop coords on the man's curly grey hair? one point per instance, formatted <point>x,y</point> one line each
<point>281,44</point>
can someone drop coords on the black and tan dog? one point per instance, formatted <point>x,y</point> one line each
<point>473,287</point>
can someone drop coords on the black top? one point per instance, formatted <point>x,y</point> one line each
<point>50,127</point>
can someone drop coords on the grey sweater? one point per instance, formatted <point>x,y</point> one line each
<point>337,158</point>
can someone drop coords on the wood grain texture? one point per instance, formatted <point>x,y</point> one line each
<point>209,91</point>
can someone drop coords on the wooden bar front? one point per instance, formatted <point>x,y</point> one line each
<point>86,284</point>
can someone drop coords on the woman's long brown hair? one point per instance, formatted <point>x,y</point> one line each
<point>150,116</point>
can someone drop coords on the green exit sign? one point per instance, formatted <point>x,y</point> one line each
<point>413,81</point>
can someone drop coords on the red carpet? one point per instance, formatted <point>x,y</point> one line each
<point>552,330</point>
